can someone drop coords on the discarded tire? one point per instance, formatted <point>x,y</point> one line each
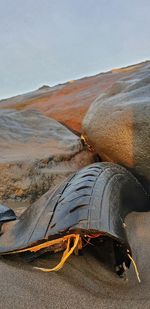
<point>93,202</point>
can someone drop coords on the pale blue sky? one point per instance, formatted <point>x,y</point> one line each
<point>52,41</point>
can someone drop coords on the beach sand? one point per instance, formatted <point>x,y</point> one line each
<point>84,282</point>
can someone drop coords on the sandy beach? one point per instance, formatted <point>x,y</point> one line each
<point>84,282</point>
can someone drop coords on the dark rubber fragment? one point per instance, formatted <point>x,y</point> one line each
<point>6,214</point>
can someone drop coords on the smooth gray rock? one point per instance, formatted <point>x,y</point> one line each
<point>117,124</point>
<point>36,153</point>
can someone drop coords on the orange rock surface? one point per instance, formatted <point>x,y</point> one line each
<point>68,102</point>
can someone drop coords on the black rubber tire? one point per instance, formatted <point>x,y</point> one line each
<point>94,192</point>
<point>95,199</point>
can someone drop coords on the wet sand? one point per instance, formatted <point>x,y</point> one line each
<point>84,282</point>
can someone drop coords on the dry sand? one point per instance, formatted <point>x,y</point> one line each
<point>84,282</point>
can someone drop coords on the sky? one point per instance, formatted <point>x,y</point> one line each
<point>46,42</point>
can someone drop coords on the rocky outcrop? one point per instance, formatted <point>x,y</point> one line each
<point>36,153</point>
<point>117,124</point>
<point>68,103</point>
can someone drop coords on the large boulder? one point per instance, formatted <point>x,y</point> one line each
<point>68,103</point>
<point>117,124</point>
<point>36,153</point>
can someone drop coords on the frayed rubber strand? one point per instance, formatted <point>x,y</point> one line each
<point>135,267</point>
<point>77,245</point>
